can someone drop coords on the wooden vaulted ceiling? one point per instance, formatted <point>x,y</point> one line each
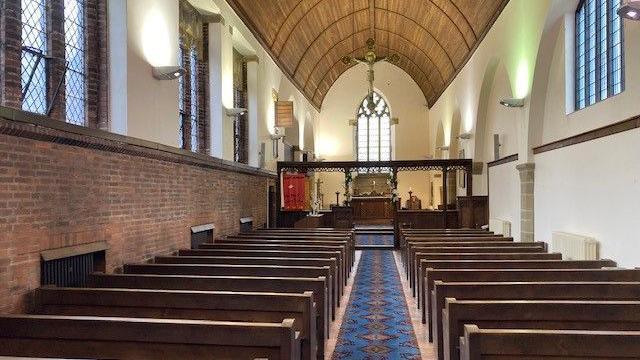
<point>307,38</point>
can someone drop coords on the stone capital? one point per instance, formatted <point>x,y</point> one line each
<point>526,167</point>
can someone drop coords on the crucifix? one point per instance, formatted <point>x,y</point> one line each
<point>370,58</point>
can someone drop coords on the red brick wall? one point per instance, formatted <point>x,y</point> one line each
<point>140,200</point>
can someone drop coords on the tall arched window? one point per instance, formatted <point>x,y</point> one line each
<point>373,133</point>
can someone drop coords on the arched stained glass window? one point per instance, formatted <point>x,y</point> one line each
<point>373,134</point>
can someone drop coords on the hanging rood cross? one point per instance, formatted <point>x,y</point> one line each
<point>370,58</point>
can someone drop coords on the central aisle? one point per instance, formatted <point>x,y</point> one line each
<point>377,323</point>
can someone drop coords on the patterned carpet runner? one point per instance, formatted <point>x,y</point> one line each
<point>377,324</point>
<point>371,239</point>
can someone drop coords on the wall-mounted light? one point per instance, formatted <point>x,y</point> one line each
<point>465,136</point>
<point>630,10</point>
<point>443,148</point>
<point>167,72</point>
<point>235,111</point>
<point>394,121</point>
<point>512,103</point>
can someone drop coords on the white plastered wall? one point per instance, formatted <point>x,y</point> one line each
<point>590,188</point>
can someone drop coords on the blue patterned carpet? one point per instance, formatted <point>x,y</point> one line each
<point>377,324</point>
<point>371,239</point>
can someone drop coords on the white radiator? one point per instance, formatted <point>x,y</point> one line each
<point>575,247</point>
<point>500,227</point>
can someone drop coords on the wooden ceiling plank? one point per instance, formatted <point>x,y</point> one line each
<point>338,62</point>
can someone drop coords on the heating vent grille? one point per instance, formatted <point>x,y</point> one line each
<point>69,271</point>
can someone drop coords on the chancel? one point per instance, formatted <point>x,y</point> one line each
<point>319,179</point>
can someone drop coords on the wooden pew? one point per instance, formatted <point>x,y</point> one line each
<point>414,247</point>
<point>405,238</point>
<point>524,275</point>
<point>411,242</point>
<point>135,338</point>
<point>332,263</point>
<point>479,344</point>
<point>268,254</point>
<point>535,314</point>
<point>195,305</point>
<point>266,247</point>
<point>526,291</point>
<point>419,256</point>
<point>506,248</point>
<point>504,264</point>
<point>223,283</point>
<point>350,248</point>
<point>320,229</point>
<point>333,288</point>
<point>348,238</point>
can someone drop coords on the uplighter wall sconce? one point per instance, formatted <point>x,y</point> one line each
<point>512,103</point>
<point>167,72</point>
<point>465,136</point>
<point>630,10</point>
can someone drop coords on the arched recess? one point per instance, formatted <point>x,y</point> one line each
<point>551,43</point>
<point>493,118</point>
<point>454,142</point>
<point>439,140</point>
<point>292,134</point>
<point>480,135</point>
<point>309,136</point>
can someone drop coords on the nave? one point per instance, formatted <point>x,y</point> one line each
<point>309,294</point>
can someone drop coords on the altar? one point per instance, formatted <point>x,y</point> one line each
<point>372,210</point>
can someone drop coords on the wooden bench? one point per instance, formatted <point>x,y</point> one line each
<point>524,275</point>
<point>223,283</point>
<point>269,254</point>
<point>504,264</point>
<point>410,242</point>
<point>479,344</point>
<point>350,248</point>
<point>419,256</point>
<point>135,338</point>
<point>534,314</point>
<point>195,305</point>
<point>333,288</point>
<point>238,260</point>
<point>506,248</point>
<point>266,247</point>
<point>405,238</point>
<point>526,291</point>
<point>413,247</point>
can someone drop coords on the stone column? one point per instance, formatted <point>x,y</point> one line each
<point>526,201</point>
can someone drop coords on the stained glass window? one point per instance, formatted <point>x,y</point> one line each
<point>75,75</point>
<point>182,115</point>
<point>33,71</point>
<point>599,57</point>
<point>373,133</point>
<point>194,112</point>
